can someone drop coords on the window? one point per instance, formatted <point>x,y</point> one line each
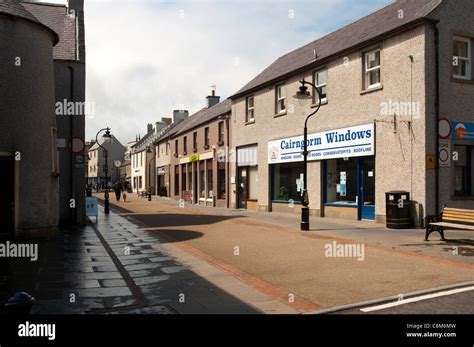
<point>202,176</point>
<point>221,132</point>
<point>280,99</point>
<point>195,141</point>
<point>342,182</point>
<point>176,146</point>
<point>320,81</point>
<point>141,182</point>
<point>158,151</point>
<point>210,192</point>
<point>176,180</point>
<point>462,58</point>
<point>141,161</point>
<point>183,177</point>
<point>167,147</point>
<point>287,182</point>
<point>185,145</point>
<point>372,69</point>
<point>221,179</point>
<point>463,178</point>
<point>206,137</point>
<point>250,115</point>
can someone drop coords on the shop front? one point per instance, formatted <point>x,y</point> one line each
<point>347,164</point>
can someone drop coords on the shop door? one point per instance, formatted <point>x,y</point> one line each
<point>243,187</point>
<point>366,197</point>
<point>7,225</point>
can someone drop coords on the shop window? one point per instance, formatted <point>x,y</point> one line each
<point>183,178</point>
<point>280,106</point>
<point>341,181</point>
<point>202,180</point>
<point>209,178</point>
<point>320,81</point>
<point>288,182</point>
<point>250,114</point>
<point>462,58</point>
<point>176,180</point>
<point>372,69</point>
<point>253,183</point>
<point>463,173</point>
<point>221,182</point>
<point>141,182</point>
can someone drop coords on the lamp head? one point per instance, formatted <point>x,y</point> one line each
<point>303,93</point>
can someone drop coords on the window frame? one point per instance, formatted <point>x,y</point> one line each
<point>249,109</point>
<point>206,137</point>
<point>185,145</point>
<point>320,86</point>
<point>367,70</point>
<point>221,131</point>
<point>468,59</point>
<point>279,98</point>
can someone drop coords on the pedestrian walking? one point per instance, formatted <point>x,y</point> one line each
<point>125,190</point>
<point>118,190</point>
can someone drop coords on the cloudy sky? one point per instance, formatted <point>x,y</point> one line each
<point>146,58</point>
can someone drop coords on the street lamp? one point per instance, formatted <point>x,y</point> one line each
<point>106,167</point>
<point>304,94</point>
<point>149,150</point>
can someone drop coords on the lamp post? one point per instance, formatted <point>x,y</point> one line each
<point>304,94</point>
<point>106,168</point>
<point>149,150</point>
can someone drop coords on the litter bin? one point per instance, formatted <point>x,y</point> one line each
<point>399,210</point>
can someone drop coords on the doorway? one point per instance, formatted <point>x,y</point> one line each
<point>367,188</point>
<point>242,195</point>
<point>7,196</point>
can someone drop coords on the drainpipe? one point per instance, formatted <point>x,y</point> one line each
<point>73,211</point>
<point>437,110</point>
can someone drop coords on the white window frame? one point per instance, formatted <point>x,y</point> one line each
<point>468,59</point>
<point>368,70</point>
<point>320,85</point>
<point>250,109</point>
<point>280,95</point>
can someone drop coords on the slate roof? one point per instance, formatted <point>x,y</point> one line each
<point>203,116</point>
<point>57,18</point>
<point>15,9</point>
<point>365,30</point>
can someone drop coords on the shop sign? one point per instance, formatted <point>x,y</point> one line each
<point>161,171</point>
<point>193,158</point>
<point>462,131</point>
<point>357,141</point>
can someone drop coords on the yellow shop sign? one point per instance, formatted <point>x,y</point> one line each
<point>194,157</point>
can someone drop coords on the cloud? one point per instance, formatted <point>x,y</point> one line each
<point>147,58</point>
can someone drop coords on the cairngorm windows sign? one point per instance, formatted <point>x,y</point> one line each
<point>357,141</point>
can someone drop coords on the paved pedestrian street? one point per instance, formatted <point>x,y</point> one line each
<point>159,258</point>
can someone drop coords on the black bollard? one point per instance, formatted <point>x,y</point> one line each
<point>20,303</point>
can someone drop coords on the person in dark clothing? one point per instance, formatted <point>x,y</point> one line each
<point>118,190</point>
<point>125,190</point>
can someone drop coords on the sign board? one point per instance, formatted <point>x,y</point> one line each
<point>161,171</point>
<point>193,158</point>
<point>247,156</point>
<point>445,128</point>
<point>357,141</point>
<point>92,207</point>
<point>77,145</point>
<point>462,131</point>
<point>61,143</point>
<point>445,153</point>
<point>430,162</point>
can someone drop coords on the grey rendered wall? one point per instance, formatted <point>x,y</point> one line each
<point>26,118</point>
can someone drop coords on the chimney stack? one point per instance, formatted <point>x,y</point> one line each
<point>179,115</point>
<point>213,99</point>
<point>149,128</point>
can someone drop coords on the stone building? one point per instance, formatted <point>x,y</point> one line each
<point>115,158</point>
<point>70,84</point>
<point>28,158</point>
<point>392,105</point>
<point>199,164</point>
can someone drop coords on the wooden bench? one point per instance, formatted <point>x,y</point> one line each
<point>143,194</point>
<point>450,218</point>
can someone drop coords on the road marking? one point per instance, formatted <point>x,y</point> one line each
<point>416,299</point>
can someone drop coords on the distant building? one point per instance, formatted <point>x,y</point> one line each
<point>143,154</point>
<point>115,155</point>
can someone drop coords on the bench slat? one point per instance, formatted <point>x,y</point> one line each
<point>457,210</point>
<point>458,219</point>
<point>454,225</point>
<point>459,213</point>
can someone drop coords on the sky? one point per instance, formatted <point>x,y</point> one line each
<point>146,58</point>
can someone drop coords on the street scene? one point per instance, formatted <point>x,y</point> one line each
<point>317,162</point>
